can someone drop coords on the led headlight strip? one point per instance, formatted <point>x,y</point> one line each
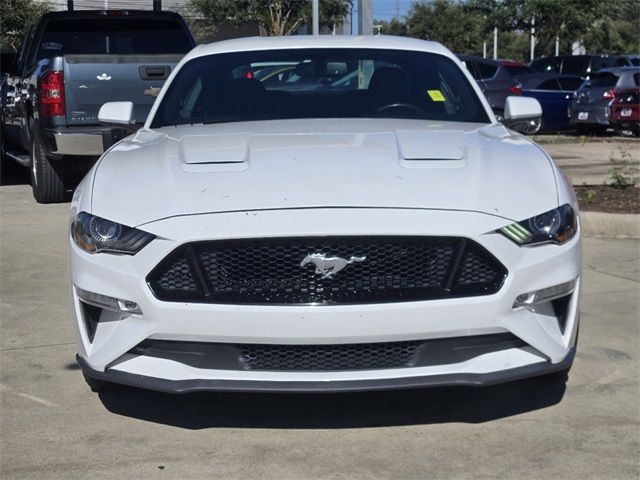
<point>555,226</point>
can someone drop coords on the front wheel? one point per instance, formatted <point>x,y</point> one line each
<point>527,127</point>
<point>46,174</point>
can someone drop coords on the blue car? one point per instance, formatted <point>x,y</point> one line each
<point>555,93</point>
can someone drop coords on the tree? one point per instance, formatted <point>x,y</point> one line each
<point>449,22</point>
<point>569,20</point>
<point>277,17</point>
<point>17,16</point>
<point>618,33</point>
<point>392,27</point>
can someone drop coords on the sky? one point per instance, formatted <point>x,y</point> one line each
<point>387,9</point>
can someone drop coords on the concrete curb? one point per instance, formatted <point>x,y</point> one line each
<point>612,225</point>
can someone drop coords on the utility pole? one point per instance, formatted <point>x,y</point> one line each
<point>495,43</point>
<point>315,16</point>
<point>533,38</point>
<point>557,46</point>
<point>365,17</point>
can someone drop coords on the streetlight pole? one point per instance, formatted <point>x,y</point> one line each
<point>315,16</point>
<point>533,38</point>
<point>495,43</point>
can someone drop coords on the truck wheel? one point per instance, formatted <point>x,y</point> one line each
<point>46,177</point>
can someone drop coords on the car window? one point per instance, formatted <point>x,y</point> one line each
<point>117,36</point>
<point>570,83</point>
<point>550,64</point>
<point>627,79</point>
<point>620,62</point>
<point>575,66</point>
<point>486,70</point>
<point>551,84</point>
<point>319,83</point>
<point>602,79</point>
<point>472,67</point>
<point>600,62</point>
<point>518,69</point>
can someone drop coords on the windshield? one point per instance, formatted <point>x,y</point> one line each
<point>604,79</point>
<point>319,83</point>
<point>113,36</point>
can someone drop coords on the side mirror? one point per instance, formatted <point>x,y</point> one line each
<point>117,113</point>
<point>521,108</point>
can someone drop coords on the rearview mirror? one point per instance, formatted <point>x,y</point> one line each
<point>118,113</point>
<point>521,108</point>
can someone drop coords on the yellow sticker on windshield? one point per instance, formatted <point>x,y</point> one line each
<point>436,95</point>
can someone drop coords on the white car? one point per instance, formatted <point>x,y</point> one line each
<point>317,235</point>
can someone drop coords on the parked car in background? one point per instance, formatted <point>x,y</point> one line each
<point>589,110</point>
<point>581,65</point>
<point>634,60</point>
<point>625,110</point>
<point>516,68</point>
<point>494,80</point>
<point>555,94</point>
<point>69,64</point>
<point>7,58</point>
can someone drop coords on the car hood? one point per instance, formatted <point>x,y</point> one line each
<point>285,164</point>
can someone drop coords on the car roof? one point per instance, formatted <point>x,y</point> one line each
<point>527,79</point>
<point>618,70</point>
<point>85,14</point>
<point>318,41</point>
<point>474,58</point>
<point>511,63</point>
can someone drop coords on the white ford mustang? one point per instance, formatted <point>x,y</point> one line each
<point>323,214</point>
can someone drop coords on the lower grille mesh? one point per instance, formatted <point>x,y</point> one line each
<point>328,357</point>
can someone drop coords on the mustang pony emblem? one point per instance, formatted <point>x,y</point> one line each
<point>328,266</point>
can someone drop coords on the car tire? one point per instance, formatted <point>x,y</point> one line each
<point>528,127</point>
<point>47,180</point>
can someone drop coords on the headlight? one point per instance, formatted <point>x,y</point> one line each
<point>555,226</point>
<point>94,234</point>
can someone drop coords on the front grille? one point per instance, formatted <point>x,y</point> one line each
<point>381,269</point>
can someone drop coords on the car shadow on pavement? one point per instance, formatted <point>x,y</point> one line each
<point>14,174</point>
<point>334,411</point>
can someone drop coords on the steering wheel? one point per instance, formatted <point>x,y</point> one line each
<point>391,106</point>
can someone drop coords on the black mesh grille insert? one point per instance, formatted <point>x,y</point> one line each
<point>328,357</point>
<point>352,356</point>
<point>374,270</point>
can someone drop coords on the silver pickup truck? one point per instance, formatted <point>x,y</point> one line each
<point>69,64</point>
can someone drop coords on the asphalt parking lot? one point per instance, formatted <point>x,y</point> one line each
<point>52,426</point>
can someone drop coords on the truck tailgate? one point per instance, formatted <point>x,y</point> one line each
<point>92,80</point>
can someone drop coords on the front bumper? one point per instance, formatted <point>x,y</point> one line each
<point>361,385</point>
<point>585,114</point>
<point>84,141</point>
<point>108,355</point>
